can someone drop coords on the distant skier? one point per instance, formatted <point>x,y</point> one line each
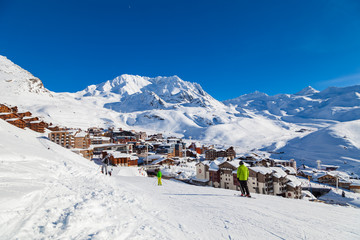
<point>243,175</point>
<point>159,175</point>
<point>343,194</point>
<point>105,163</point>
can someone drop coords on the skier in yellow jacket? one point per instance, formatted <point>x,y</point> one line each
<point>159,174</point>
<point>243,175</point>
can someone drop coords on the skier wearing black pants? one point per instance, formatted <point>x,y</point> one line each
<point>243,175</point>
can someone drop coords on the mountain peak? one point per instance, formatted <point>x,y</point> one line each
<point>307,91</point>
<point>15,79</point>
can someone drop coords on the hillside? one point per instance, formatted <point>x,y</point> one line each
<point>49,192</point>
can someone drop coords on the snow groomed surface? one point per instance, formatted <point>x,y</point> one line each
<point>47,192</point>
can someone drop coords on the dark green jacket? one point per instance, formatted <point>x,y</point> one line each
<point>242,173</point>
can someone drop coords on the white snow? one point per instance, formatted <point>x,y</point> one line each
<point>48,192</point>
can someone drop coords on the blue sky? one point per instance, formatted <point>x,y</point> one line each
<point>229,47</point>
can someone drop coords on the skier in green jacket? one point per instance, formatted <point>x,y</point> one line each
<point>242,176</point>
<point>159,174</point>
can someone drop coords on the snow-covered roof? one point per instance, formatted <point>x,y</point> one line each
<point>81,134</point>
<point>161,159</point>
<point>28,118</point>
<point>293,181</point>
<point>36,121</point>
<point>110,145</point>
<point>290,169</point>
<point>236,163</point>
<point>155,156</point>
<point>5,113</point>
<point>99,138</point>
<point>262,170</point>
<point>12,119</point>
<point>213,166</point>
<point>122,155</point>
<point>278,172</point>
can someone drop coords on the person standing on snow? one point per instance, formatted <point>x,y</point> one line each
<point>242,176</point>
<point>159,175</point>
<point>105,163</point>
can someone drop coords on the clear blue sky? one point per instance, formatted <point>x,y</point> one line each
<point>229,47</point>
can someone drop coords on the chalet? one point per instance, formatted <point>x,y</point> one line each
<point>157,136</point>
<point>167,149</point>
<point>14,109</point>
<point>328,179</point>
<point>94,131</point>
<point>178,149</point>
<point>293,187</point>
<point>278,163</point>
<point>25,114</point>
<point>81,140</point>
<point>164,161</point>
<point>123,136</point>
<point>37,126</point>
<point>18,122</point>
<point>211,154</point>
<point>121,159</point>
<point>54,128</point>
<point>86,153</point>
<point>355,187</point>
<point>4,109</point>
<point>63,138</point>
<point>273,181</point>
<point>260,180</point>
<point>141,150</point>
<point>99,140</point>
<point>214,175</point>
<point>195,146</point>
<point>202,173</point>
<point>328,167</point>
<point>123,148</point>
<point>191,153</point>
<point>140,136</point>
<point>29,119</point>
<point>228,177</point>
<point>8,115</point>
<point>230,153</point>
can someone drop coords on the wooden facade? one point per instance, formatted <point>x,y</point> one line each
<point>8,115</point>
<point>17,122</point>
<point>25,114</point>
<point>4,108</point>
<point>37,126</point>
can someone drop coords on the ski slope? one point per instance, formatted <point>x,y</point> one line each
<point>48,192</point>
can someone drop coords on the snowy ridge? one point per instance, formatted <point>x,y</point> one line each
<point>168,91</point>
<point>48,192</point>
<point>340,104</point>
<point>17,80</point>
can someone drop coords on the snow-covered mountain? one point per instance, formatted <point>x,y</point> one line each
<point>169,105</point>
<point>152,93</point>
<point>18,81</point>
<point>333,103</point>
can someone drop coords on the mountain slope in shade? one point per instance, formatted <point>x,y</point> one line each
<point>338,144</point>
